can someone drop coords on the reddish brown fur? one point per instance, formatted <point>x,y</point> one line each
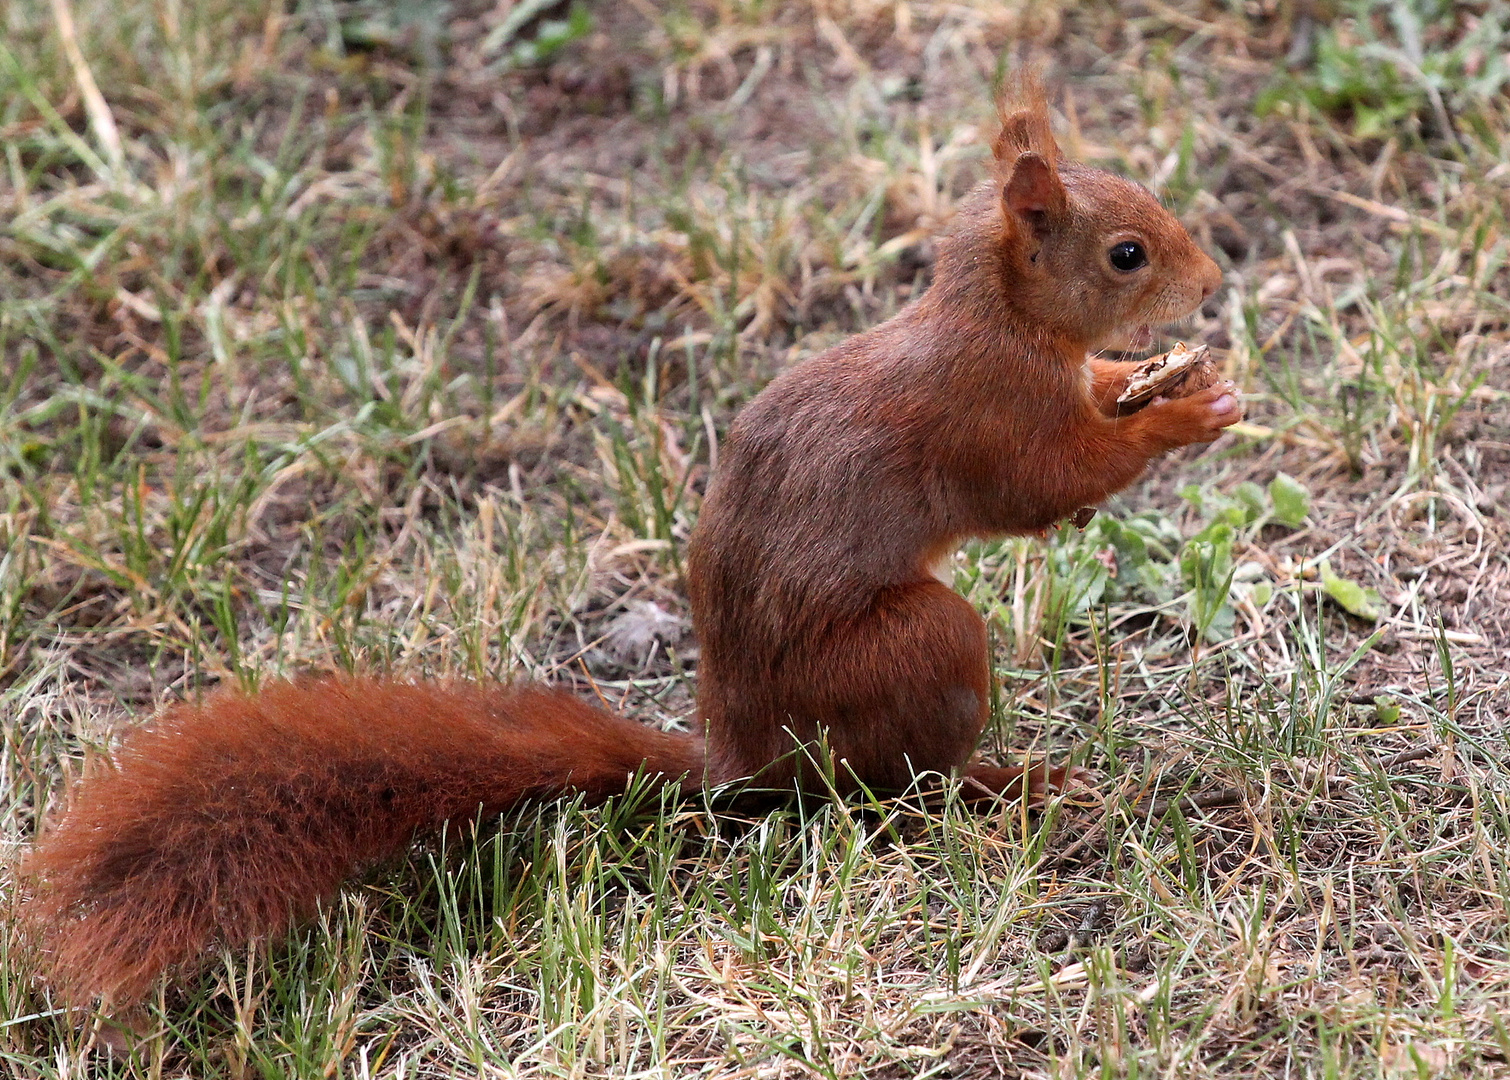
<point>968,414</point>
<point>221,822</point>
<point>973,412</point>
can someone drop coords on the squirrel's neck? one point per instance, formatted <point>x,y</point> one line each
<point>983,315</point>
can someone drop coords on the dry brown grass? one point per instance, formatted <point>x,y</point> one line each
<point>367,350</point>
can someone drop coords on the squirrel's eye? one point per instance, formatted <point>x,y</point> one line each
<point>1127,256</point>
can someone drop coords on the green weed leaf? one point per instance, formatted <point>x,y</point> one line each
<point>1292,502</point>
<point>1355,599</point>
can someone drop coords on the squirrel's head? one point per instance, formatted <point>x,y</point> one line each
<point>1097,257</point>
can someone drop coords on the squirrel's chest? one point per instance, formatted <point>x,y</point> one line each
<point>941,567</point>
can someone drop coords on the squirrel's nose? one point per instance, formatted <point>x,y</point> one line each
<point>1211,280</point>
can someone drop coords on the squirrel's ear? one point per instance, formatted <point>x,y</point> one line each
<point>1034,194</point>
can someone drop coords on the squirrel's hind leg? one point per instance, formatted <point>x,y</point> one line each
<point>919,671</point>
<point>901,689</point>
<point>1037,781</point>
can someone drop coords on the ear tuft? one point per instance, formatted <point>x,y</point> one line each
<point>1025,124</point>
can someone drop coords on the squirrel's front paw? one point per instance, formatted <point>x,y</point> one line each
<point>1198,418</point>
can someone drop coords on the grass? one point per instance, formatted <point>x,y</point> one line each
<point>400,337</point>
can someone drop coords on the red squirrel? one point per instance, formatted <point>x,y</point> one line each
<point>814,578</point>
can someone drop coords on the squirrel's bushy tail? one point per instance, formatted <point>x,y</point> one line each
<point>225,821</point>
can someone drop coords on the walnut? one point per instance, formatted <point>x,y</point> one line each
<point>1182,371</point>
